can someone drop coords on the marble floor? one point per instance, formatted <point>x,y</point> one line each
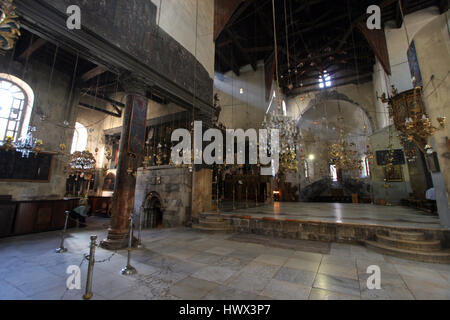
<point>367,214</point>
<point>185,264</point>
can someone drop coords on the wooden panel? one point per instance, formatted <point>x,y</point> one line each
<point>13,167</point>
<point>377,41</point>
<point>59,215</point>
<point>223,10</point>
<point>7,212</point>
<point>43,218</point>
<point>25,218</point>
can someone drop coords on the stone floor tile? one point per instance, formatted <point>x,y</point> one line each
<point>249,282</point>
<point>214,274</point>
<point>281,290</point>
<point>301,264</point>
<point>339,260</point>
<point>221,251</point>
<point>339,271</point>
<point>320,294</point>
<point>387,292</point>
<point>261,269</point>
<point>309,256</point>
<point>337,284</point>
<point>271,259</point>
<point>304,278</point>
<point>228,293</point>
<point>192,288</point>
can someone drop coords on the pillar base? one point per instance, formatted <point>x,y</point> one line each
<point>118,241</point>
<point>115,241</point>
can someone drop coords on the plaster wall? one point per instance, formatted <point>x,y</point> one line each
<point>398,44</point>
<point>242,110</point>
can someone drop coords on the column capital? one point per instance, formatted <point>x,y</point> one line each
<point>134,86</point>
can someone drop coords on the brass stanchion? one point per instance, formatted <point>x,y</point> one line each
<point>88,295</point>
<point>129,269</point>
<point>61,248</point>
<point>140,229</point>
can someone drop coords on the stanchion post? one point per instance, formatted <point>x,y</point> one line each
<point>140,229</point>
<point>256,196</point>
<point>88,295</point>
<point>61,248</point>
<point>129,269</point>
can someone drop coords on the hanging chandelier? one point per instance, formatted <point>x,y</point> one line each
<point>343,154</point>
<point>289,137</point>
<point>82,163</point>
<point>28,144</point>
<point>9,27</point>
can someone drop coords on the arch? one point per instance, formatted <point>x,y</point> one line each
<point>80,138</point>
<point>153,211</point>
<point>25,109</point>
<point>336,96</point>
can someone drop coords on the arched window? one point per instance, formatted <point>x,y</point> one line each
<point>16,104</point>
<point>80,138</point>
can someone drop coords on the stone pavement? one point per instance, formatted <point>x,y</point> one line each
<point>185,264</point>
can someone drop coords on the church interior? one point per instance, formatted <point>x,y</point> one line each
<point>337,109</point>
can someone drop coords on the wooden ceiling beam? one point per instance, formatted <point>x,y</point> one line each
<point>246,55</point>
<point>93,73</point>
<point>230,65</point>
<point>31,49</point>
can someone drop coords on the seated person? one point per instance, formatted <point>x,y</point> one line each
<point>80,212</point>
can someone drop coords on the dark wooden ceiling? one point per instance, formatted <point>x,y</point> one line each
<point>320,37</point>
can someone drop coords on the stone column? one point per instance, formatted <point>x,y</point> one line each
<point>123,199</point>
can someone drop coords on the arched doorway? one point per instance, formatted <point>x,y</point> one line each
<point>153,212</point>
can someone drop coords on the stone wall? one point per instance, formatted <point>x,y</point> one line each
<point>50,110</point>
<point>173,185</point>
<point>132,26</point>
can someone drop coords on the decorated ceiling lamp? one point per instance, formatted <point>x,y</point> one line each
<point>82,163</point>
<point>343,154</point>
<point>9,27</point>
<point>28,144</point>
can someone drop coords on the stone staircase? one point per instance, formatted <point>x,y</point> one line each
<point>410,245</point>
<point>212,223</point>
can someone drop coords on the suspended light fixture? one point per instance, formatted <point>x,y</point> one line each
<point>28,144</point>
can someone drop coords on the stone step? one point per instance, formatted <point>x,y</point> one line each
<point>423,245</point>
<point>213,224</point>
<point>407,235</point>
<point>442,257</point>
<point>226,229</point>
<point>210,217</point>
